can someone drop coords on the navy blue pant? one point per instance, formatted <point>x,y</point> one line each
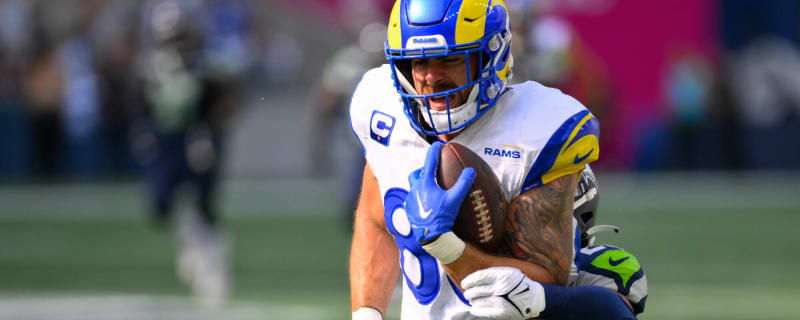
<point>170,169</point>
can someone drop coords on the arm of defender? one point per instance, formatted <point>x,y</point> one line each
<point>587,302</point>
<point>506,293</point>
<point>373,256</point>
<point>538,239</point>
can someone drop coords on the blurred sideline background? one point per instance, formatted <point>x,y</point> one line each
<point>699,102</point>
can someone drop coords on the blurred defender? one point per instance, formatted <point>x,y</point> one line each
<point>597,265</point>
<point>449,63</point>
<point>331,146</point>
<point>181,141</point>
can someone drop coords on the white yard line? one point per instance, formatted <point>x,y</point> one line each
<point>106,306</point>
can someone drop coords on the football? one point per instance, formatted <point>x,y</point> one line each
<point>482,217</point>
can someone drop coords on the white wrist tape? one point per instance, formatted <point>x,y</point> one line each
<point>367,313</point>
<point>447,248</point>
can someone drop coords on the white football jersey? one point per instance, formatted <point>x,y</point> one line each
<point>533,135</point>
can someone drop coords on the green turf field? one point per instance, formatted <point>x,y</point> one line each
<point>713,247</point>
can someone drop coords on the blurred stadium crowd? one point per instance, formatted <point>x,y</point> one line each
<point>83,82</point>
<point>677,85</point>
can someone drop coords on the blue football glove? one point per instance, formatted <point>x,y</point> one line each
<point>432,210</point>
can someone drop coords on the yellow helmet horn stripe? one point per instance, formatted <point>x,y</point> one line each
<point>471,21</point>
<point>394,36</point>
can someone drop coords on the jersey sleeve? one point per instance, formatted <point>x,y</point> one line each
<point>370,120</point>
<point>573,145</point>
<point>358,101</point>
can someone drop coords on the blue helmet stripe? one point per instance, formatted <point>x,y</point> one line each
<point>422,12</point>
<point>422,24</point>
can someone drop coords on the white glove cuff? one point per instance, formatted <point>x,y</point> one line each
<point>447,248</point>
<point>367,313</point>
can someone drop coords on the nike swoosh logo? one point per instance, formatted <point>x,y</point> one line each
<point>422,213</point>
<point>507,297</point>
<point>527,288</point>
<point>473,19</point>
<point>615,263</point>
<point>578,158</point>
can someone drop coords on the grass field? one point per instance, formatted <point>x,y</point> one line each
<point>713,247</point>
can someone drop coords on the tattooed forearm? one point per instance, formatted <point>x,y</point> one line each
<point>539,227</point>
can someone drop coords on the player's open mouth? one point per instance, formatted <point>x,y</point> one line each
<point>440,102</point>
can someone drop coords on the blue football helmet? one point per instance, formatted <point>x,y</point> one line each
<point>438,28</point>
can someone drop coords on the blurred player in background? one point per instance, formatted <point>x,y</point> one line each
<point>449,66</point>
<point>191,86</point>
<point>331,148</point>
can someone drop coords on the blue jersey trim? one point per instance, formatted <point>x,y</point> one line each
<point>458,292</point>
<point>591,127</point>
<point>550,151</point>
<point>428,288</point>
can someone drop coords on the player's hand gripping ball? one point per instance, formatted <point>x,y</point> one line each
<point>432,210</point>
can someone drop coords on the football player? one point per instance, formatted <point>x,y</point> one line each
<point>189,99</point>
<point>449,63</point>
<point>604,266</point>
